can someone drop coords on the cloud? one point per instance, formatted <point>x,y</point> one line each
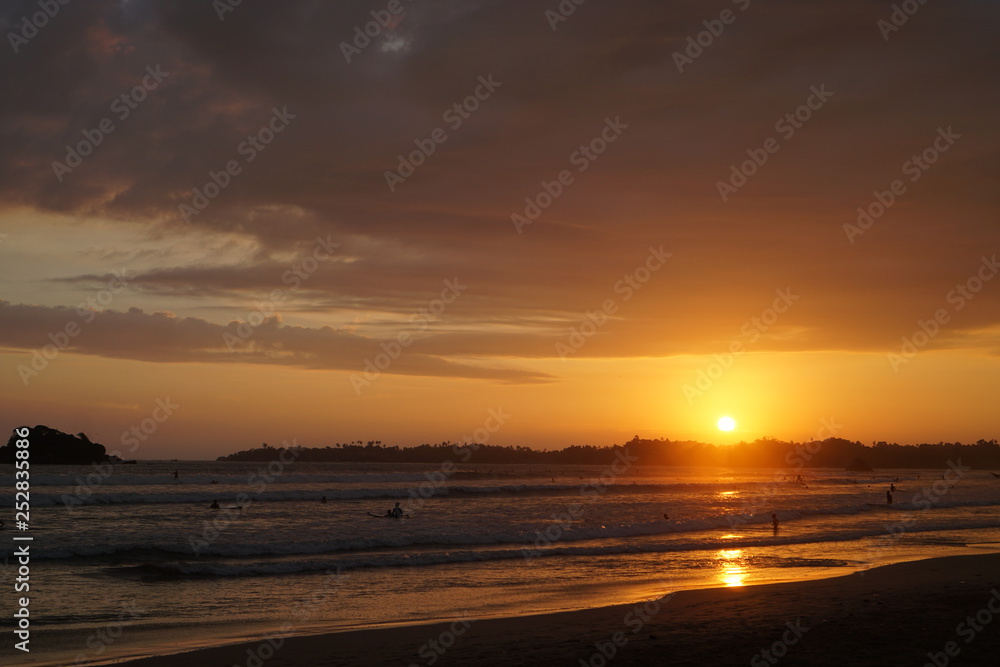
<point>324,173</point>
<point>164,337</point>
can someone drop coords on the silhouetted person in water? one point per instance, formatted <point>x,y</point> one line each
<point>888,497</point>
<point>892,488</point>
<point>323,499</point>
<point>666,517</point>
<point>175,474</point>
<point>214,505</point>
<point>774,522</point>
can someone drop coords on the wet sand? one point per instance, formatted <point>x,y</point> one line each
<point>893,615</point>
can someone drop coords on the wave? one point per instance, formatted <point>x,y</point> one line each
<point>681,535</point>
<point>97,495</point>
<point>205,494</point>
<point>93,477</point>
<point>251,567</point>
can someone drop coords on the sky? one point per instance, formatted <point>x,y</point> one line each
<point>525,223</point>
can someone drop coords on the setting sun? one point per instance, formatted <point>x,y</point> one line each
<point>486,336</point>
<point>726,423</point>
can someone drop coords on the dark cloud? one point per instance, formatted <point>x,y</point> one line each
<point>163,337</point>
<point>324,173</point>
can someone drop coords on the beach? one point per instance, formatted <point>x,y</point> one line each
<point>891,615</point>
<point>138,565</point>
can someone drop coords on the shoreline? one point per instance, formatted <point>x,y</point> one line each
<point>894,614</point>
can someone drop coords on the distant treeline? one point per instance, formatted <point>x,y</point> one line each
<point>763,453</point>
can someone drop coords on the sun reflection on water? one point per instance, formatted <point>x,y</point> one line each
<point>732,571</point>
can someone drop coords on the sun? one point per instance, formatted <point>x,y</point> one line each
<point>726,423</point>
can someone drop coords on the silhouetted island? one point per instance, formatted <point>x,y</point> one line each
<point>51,446</point>
<point>762,453</point>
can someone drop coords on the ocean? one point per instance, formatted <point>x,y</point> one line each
<point>130,561</point>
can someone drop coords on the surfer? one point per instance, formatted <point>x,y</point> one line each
<point>774,522</point>
<point>395,513</point>
<point>214,505</point>
<point>323,499</point>
<point>888,497</point>
<point>892,488</point>
<point>175,474</point>
<point>667,518</point>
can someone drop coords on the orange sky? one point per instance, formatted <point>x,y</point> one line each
<point>581,234</point>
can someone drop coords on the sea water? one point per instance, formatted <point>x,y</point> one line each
<point>137,562</point>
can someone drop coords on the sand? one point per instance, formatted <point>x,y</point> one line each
<point>893,615</point>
